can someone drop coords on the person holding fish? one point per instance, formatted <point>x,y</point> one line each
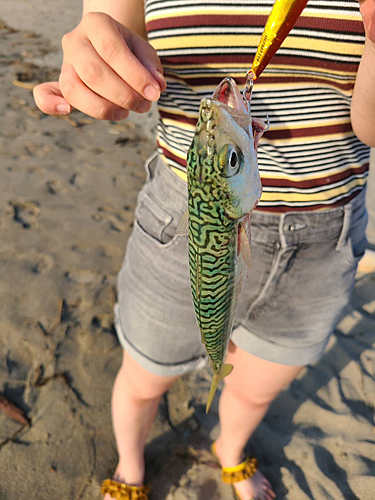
<point>307,232</point>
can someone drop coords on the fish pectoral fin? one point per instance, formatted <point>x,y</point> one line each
<point>183,225</point>
<point>245,248</point>
<point>218,377</point>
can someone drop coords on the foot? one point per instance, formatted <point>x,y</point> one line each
<point>256,487</point>
<point>133,476</point>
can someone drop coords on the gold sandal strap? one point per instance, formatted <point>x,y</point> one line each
<point>244,470</point>
<point>122,491</point>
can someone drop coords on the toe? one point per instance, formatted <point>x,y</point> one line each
<point>271,493</point>
<point>268,493</point>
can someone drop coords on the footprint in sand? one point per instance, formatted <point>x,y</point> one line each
<point>36,262</point>
<point>85,277</point>
<point>55,187</point>
<point>25,212</point>
<point>118,219</point>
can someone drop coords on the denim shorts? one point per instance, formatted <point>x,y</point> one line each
<point>304,266</point>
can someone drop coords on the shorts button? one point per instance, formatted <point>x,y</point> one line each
<point>289,228</point>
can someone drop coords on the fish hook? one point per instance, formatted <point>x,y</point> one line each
<point>248,88</point>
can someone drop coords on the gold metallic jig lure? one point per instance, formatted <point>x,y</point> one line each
<point>283,17</point>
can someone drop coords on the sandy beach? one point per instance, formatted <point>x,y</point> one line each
<point>67,197</point>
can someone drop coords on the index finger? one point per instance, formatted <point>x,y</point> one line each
<point>113,49</point>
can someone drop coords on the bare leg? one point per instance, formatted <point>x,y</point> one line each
<point>135,398</point>
<point>367,263</point>
<point>249,390</point>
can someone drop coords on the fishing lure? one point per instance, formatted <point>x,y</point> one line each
<point>283,17</point>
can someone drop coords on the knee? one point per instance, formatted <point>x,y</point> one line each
<point>140,385</point>
<point>250,397</point>
<point>142,392</point>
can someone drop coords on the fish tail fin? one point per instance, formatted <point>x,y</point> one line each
<point>218,377</point>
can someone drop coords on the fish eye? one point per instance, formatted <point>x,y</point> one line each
<point>231,160</point>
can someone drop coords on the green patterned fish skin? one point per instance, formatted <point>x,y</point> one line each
<point>212,260</point>
<point>218,201</point>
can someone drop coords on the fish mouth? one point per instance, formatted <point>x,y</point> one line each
<point>228,93</point>
<point>226,97</point>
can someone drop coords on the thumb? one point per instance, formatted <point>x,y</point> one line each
<point>49,99</point>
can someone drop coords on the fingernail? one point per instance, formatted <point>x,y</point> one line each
<point>121,114</point>
<point>143,107</point>
<point>160,75</point>
<point>161,80</point>
<point>152,93</point>
<point>63,109</point>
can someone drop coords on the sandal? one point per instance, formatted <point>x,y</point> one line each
<point>122,491</point>
<point>240,472</point>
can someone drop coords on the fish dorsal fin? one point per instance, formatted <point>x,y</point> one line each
<point>245,247</point>
<point>183,225</point>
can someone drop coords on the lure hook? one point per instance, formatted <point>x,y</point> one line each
<point>249,83</point>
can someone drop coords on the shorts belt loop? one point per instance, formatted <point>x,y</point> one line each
<point>345,227</point>
<point>281,231</point>
<point>149,166</point>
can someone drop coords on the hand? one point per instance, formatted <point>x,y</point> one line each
<point>367,8</point>
<point>107,70</point>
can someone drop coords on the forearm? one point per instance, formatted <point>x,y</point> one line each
<point>363,102</point>
<point>129,13</point>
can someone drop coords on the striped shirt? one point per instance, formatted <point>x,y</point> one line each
<point>310,158</point>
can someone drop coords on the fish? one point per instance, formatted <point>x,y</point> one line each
<point>224,187</point>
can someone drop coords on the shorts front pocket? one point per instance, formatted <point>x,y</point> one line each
<point>153,219</point>
<point>357,242</point>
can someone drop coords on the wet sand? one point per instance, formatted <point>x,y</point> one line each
<point>67,196</point>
